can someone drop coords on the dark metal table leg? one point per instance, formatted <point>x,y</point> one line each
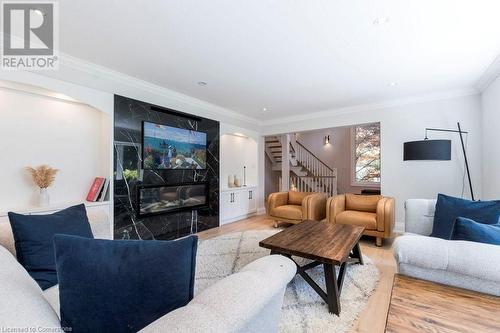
<point>332,289</point>
<point>333,282</point>
<point>340,279</point>
<point>356,253</point>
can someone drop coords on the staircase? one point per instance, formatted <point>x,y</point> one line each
<point>307,172</point>
<point>275,154</point>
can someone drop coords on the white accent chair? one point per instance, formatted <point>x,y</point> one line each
<point>463,264</point>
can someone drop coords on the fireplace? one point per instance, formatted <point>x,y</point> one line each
<point>162,199</point>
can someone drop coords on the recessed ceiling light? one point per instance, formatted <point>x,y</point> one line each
<point>202,83</point>
<point>381,20</point>
<point>264,109</point>
<point>392,84</point>
<point>39,12</point>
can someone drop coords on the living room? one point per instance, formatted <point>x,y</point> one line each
<point>146,184</point>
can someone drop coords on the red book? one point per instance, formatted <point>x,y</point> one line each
<point>95,189</point>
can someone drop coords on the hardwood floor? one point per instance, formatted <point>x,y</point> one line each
<point>423,306</point>
<point>373,317</point>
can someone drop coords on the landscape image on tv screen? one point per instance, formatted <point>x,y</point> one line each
<point>166,147</point>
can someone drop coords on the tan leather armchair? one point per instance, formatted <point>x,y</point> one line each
<point>374,212</point>
<point>295,207</point>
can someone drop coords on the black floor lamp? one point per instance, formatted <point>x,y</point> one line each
<point>437,150</point>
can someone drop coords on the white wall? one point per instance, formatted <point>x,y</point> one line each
<point>37,130</point>
<point>491,141</point>
<point>417,179</point>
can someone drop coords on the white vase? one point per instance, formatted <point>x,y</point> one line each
<point>44,198</point>
<point>230,181</point>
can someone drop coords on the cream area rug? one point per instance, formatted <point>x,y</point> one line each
<point>303,310</point>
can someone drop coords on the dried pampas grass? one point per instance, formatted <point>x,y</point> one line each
<point>43,176</point>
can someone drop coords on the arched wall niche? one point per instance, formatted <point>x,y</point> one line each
<point>47,121</point>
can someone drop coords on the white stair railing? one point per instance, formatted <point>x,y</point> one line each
<point>312,163</point>
<point>318,177</point>
<point>322,184</point>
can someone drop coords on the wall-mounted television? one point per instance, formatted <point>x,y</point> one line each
<point>166,147</point>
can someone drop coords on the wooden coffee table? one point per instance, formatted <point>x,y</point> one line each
<point>422,306</point>
<point>325,243</point>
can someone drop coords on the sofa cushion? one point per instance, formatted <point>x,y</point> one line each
<point>122,285</point>
<point>33,235</point>
<point>362,203</point>
<point>449,208</point>
<point>295,198</point>
<point>52,296</point>
<point>21,300</point>
<point>419,216</point>
<point>261,284</point>
<point>100,229</point>
<point>460,258</point>
<point>291,212</point>
<point>6,237</point>
<point>364,219</point>
<point>469,230</point>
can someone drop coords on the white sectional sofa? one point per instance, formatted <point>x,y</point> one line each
<point>469,265</point>
<point>248,301</point>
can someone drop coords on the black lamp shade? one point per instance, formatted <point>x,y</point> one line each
<point>437,150</point>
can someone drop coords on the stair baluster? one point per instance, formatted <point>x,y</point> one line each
<point>319,176</point>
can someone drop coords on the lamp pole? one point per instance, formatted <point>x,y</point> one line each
<point>466,161</point>
<point>460,132</point>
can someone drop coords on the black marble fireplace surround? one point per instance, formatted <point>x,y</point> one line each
<point>130,179</point>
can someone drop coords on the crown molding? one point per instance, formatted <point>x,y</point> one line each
<point>33,92</point>
<point>96,73</point>
<point>489,75</point>
<point>100,72</point>
<point>449,94</point>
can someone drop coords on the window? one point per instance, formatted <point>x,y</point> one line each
<point>366,154</point>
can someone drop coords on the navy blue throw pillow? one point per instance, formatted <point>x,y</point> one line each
<point>449,208</point>
<point>470,230</point>
<point>122,285</point>
<point>33,237</point>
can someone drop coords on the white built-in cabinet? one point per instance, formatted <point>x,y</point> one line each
<point>237,203</point>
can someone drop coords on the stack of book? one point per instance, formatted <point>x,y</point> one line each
<point>98,190</point>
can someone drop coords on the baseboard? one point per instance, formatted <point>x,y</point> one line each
<point>261,211</point>
<point>238,218</point>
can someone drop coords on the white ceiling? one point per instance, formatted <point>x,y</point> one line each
<point>291,57</point>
